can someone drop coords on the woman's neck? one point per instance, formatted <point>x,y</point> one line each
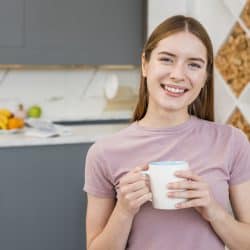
<point>164,119</point>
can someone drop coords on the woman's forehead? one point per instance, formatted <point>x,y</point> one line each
<point>182,44</point>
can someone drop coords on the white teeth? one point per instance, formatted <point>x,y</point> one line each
<point>174,90</point>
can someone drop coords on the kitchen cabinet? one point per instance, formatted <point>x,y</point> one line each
<point>42,205</point>
<point>71,32</point>
<point>11,24</point>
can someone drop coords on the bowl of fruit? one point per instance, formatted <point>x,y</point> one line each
<point>9,123</point>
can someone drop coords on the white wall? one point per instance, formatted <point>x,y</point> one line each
<point>64,94</point>
<point>158,10</point>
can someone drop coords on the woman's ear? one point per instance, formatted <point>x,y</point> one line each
<point>143,65</point>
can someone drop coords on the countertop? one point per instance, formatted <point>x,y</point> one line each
<point>80,134</point>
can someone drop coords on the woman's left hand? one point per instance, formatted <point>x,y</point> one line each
<point>197,193</point>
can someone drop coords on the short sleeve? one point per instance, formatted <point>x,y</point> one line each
<point>98,181</point>
<point>240,163</point>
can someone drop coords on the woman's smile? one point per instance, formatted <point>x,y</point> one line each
<point>174,91</point>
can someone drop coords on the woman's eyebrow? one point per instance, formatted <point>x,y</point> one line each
<point>166,53</point>
<point>197,59</point>
<point>191,58</point>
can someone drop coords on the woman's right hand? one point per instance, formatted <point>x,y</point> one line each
<point>133,191</point>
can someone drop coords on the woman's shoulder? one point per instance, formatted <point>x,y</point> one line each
<point>214,125</point>
<point>115,138</point>
<point>221,129</point>
<point>226,131</point>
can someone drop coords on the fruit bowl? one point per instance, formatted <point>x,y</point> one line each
<point>9,123</point>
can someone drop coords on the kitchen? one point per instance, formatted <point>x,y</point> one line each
<point>87,95</point>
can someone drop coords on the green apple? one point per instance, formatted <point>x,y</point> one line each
<point>34,111</point>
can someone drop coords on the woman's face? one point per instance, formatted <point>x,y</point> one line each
<point>176,72</point>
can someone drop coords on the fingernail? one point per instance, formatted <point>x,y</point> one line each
<point>169,185</point>
<point>151,197</point>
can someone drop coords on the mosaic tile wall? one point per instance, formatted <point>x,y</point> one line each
<point>232,63</point>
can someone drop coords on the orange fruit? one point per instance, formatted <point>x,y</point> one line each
<point>14,123</point>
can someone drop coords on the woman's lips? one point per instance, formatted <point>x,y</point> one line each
<point>173,90</point>
<point>175,86</point>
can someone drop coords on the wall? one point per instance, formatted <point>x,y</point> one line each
<point>67,94</point>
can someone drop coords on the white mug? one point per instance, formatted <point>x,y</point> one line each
<point>160,174</point>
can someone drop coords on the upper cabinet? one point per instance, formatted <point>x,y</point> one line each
<point>89,32</point>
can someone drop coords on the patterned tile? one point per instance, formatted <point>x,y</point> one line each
<point>224,99</point>
<point>238,120</point>
<point>245,16</point>
<point>233,60</point>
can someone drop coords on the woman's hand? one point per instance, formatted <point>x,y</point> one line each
<point>197,193</point>
<point>133,191</point>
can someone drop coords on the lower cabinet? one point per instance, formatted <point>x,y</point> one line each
<point>42,205</point>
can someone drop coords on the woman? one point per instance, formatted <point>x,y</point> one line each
<point>173,120</point>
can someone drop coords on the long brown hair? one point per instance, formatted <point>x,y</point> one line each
<point>203,106</point>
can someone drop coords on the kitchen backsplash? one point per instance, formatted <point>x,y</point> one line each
<point>69,94</point>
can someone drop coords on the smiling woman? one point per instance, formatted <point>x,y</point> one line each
<point>186,56</point>
<point>182,69</point>
<point>173,121</point>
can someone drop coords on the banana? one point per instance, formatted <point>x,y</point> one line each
<point>6,112</point>
<point>2,125</point>
<point>3,119</point>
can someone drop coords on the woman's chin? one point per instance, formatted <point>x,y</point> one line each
<point>173,108</point>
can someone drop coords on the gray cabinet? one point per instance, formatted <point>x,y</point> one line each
<point>42,205</point>
<point>11,24</point>
<point>71,32</point>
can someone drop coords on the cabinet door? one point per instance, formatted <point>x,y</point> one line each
<point>11,29</point>
<point>11,23</point>
<point>42,205</point>
<point>74,32</point>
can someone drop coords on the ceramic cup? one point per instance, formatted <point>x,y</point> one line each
<point>160,174</point>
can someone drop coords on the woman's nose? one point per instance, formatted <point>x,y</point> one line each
<point>177,72</point>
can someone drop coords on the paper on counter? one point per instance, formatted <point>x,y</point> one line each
<point>44,128</point>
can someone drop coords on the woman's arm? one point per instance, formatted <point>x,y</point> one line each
<point>108,222</point>
<point>235,232</point>
<point>106,227</point>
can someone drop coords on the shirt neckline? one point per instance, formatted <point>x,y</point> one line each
<point>187,125</point>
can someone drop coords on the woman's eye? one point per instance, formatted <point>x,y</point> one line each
<point>194,65</point>
<point>166,59</point>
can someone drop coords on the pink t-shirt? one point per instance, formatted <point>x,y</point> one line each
<point>219,153</point>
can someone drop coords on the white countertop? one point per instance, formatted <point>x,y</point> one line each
<point>80,134</point>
